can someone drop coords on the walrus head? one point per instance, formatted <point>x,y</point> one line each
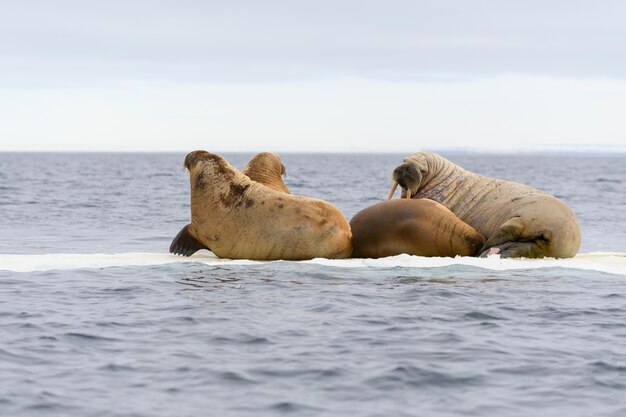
<point>216,186</point>
<point>267,169</point>
<point>193,158</point>
<point>409,176</point>
<point>207,169</point>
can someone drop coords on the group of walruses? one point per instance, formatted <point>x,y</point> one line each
<point>445,211</point>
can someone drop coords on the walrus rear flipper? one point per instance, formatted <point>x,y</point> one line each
<point>185,243</point>
<point>508,241</point>
<point>509,231</point>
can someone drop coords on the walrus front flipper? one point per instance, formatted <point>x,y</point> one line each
<point>185,243</point>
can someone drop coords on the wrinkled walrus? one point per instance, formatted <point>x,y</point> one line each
<point>517,220</point>
<point>417,227</point>
<point>238,218</point>
<point>267,169</point>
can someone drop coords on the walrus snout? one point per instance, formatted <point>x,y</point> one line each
<point>404,173</point>
<point>407,177</point>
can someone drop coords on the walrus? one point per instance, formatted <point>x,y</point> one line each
<point>414,226</point>
<point>238,218</point>
<point>267,169</point>
<point>517,220</point>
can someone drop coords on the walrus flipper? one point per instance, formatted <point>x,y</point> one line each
<point>185,243</point>
<point>507,241</point>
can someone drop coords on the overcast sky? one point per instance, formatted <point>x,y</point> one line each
<point>383,76</point>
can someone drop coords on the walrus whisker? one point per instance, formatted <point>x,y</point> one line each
<point>393,190</point>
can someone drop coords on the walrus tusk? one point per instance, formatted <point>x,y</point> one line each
<point>393,190</point>
<point>408,193</point>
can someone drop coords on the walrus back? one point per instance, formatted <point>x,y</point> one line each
<point>293,228</point>
<point>247,220</point>
<point>416,227</point>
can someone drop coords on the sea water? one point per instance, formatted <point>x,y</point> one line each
<point>97,319</point>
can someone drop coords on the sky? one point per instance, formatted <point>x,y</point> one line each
<point>312,76</point>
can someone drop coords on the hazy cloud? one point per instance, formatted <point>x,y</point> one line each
<point>312,75</point>
<point>74,41</point>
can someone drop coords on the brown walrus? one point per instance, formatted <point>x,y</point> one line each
<point>517,220</point>
<point>238,218</point>
<point>417,227</point>
<point>267,169</point>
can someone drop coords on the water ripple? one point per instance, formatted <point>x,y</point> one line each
<point>418,377</point>
<point>90,337</point>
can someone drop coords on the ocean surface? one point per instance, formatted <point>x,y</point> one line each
<point>97,319</point>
